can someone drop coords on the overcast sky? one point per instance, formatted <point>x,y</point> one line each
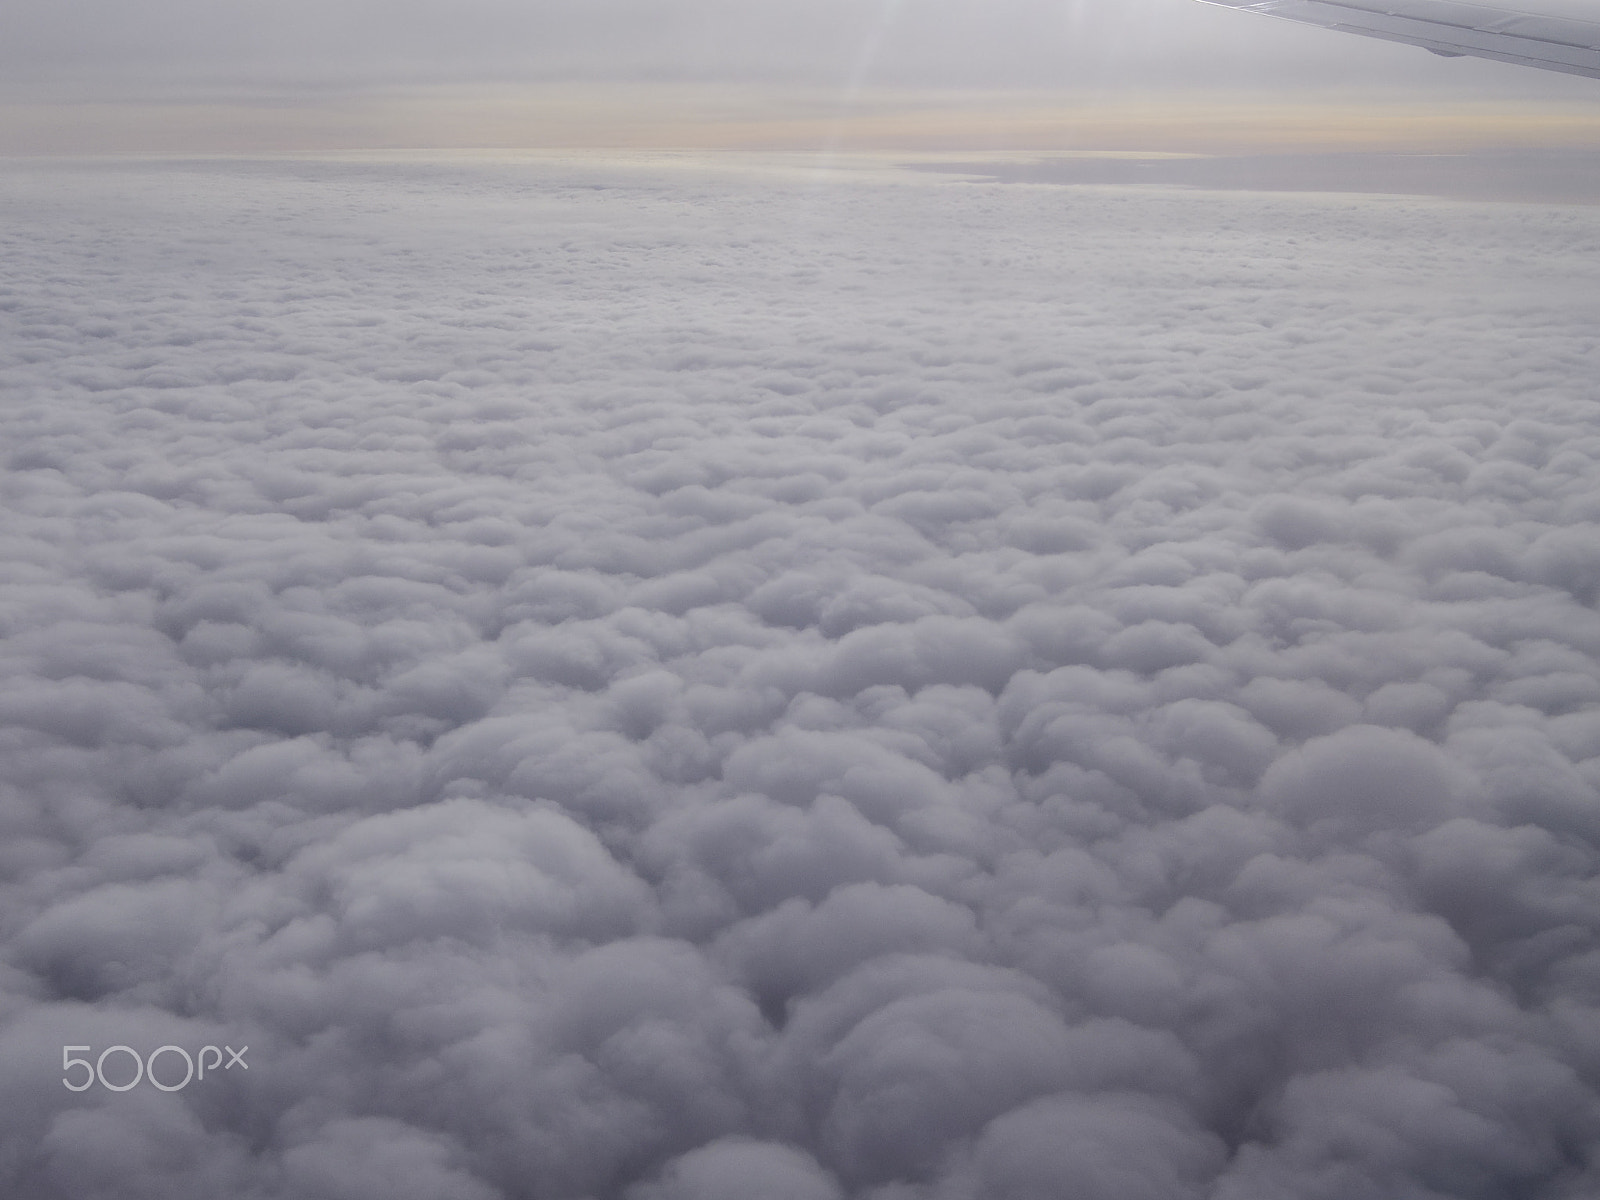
<point>972,43</point>
<point>324,57</point>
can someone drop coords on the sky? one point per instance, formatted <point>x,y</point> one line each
<point>693,600</point>
<point>195,75</point>
<point>657,677</point>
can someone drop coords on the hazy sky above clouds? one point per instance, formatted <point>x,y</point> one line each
<point>969,43</point>
<point>379,72</point>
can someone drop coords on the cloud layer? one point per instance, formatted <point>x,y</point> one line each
<point>660,682</point>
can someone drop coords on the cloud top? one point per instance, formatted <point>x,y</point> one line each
<point>652,680</point>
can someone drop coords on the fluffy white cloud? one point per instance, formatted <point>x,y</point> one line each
<point>656,679</point>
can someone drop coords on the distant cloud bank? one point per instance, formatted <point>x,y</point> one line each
<point>669,683</point>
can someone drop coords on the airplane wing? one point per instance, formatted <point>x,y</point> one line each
<point>1451,28</point>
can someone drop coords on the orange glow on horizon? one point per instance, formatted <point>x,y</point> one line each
<point>699,118</point>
